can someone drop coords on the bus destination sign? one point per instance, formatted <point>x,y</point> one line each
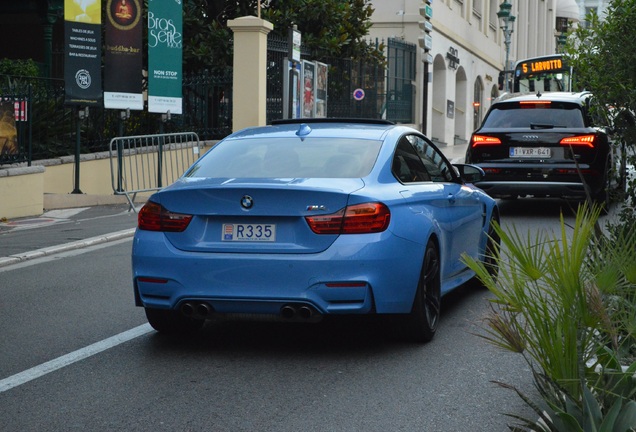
<point>544,65</point>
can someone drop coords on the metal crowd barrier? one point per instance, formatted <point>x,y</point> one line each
<point>148,163</point>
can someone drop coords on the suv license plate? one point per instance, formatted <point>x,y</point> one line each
<point>249,232</point>
<point>530,152</point>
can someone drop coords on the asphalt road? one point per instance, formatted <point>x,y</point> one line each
<point>75,354</point>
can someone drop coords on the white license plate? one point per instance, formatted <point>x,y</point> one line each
<point>249,232</point>
<point>530,152</point>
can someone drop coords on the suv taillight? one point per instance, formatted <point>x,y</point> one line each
<point>479,140</point>
<point>356,219</point>
<point>580,140</point>
<point>154,217</point>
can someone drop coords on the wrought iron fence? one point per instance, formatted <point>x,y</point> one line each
<point>400,80</point>
<point>277,51</point>
<point>42,122</point>
<point>50,127</point>
<point>47,128</point>
<point>345,76</point>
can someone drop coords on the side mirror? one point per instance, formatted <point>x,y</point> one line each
<point>470,173</point>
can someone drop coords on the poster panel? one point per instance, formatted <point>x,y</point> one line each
<point>165,44</point>
<point>8,132</point>
<point>83,52</point>
<point>123,59</point>
<point>321,89</point>
<point>309,84</point>
<point>295,69</point>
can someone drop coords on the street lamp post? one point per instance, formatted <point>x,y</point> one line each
<point>506,22</point>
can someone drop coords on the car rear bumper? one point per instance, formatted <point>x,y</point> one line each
<point>358,274</point>
<point>497,189</point>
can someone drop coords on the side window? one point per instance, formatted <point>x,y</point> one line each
<point>436,166</point>
<point>407,165</point>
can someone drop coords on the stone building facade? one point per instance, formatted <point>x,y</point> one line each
<point>467,54</point>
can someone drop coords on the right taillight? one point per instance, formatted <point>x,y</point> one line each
<point>155,217</point>
<point>479,140</point>
<point>579,140</point>
<point>356,219</point>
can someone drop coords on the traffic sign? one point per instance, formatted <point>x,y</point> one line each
<point>426,11</point>
<point>427,26</point>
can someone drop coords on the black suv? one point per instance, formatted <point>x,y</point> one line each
<point>551,144</point>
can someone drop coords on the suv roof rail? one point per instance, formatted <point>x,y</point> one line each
<point>332,120</point>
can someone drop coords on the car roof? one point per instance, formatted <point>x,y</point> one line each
<point>320,128</point>
<point>573,97</point>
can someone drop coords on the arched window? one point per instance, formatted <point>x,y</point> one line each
<point>478,103</point>
<point>494,94</point>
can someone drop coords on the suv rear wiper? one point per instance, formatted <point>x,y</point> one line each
<point>542,126</point>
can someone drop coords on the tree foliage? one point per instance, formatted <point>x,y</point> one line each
<point>330,28</point>
<point>602,54</point>
<point>22,68</point>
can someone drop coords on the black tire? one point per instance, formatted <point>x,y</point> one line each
<point>172,322</point>
<point>421,323</point>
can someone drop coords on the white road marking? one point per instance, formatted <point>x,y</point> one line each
<point>39,256</point>
<point>64,213</point>
<point>68,359</point>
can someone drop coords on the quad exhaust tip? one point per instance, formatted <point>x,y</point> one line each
<point>196,310</point>
<point>288,312</point>
<point>301,312</point>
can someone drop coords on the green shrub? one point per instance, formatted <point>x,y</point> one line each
<point>566,302</point>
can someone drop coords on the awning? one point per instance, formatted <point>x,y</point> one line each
<point>568,9</point>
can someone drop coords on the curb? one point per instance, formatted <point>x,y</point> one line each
<point>52,250</point>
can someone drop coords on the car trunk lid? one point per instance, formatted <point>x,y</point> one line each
<point>254,215</point>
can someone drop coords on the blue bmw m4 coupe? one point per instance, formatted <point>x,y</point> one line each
<point>303,219</point>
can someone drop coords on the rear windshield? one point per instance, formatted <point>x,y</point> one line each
<point>515,115</point>
<point>288,158</point>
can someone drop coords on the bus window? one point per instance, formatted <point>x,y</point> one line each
<point>545,73</point>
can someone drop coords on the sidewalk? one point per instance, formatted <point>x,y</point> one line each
<point>455,153</point>
<point>61,230</point>
<point>66,229</point>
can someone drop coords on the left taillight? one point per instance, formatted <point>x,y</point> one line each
<point>356,219</point>
<point>483,140</point>
<point>155,217</point>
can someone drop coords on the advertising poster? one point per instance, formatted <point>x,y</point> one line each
<point>308,79</point>
<point>8,131</point>
<point>165,44</point>
<point>123,59</point>
<point>295,89</point>
<point>321,89</point>
<point>83,48</point>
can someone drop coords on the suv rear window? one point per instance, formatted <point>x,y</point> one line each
<point>524,115</point>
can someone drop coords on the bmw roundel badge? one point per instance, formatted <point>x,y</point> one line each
<point>247,202</point>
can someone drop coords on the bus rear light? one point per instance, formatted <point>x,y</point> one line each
<point>480,140</point>
<point>579,140</point>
